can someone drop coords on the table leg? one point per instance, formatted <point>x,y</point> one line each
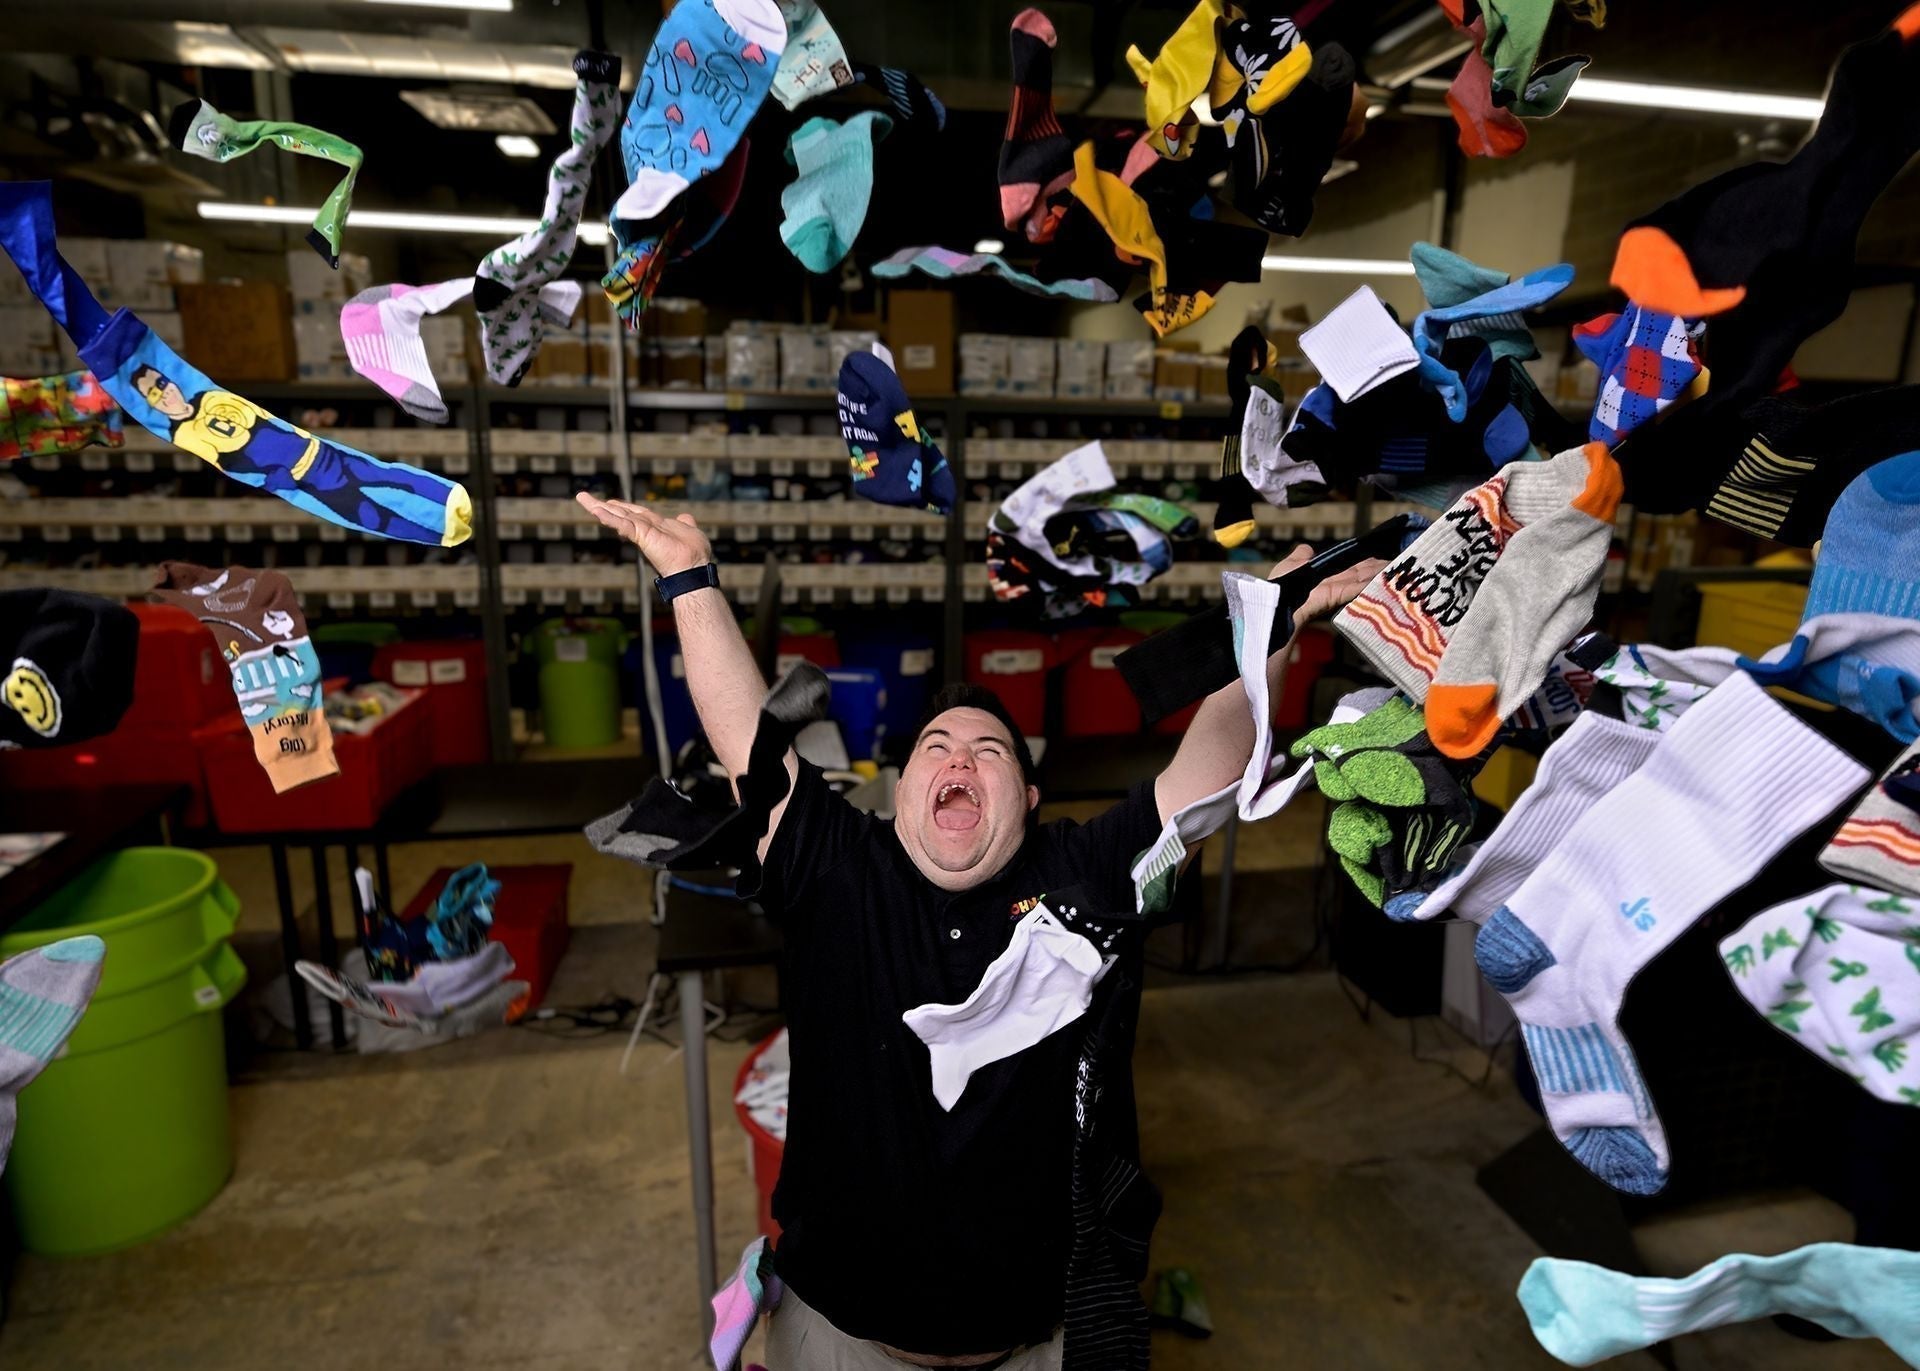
<point>329,946</point>
<point>386,881</point>
<point>693,1038</point>
<point>290,947</point>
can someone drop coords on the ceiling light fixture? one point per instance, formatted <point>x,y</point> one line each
<point>516,145</point>
<point>1338,266</point>
<point>591,233</point>
<point>990,245</point>
<point>1599,90</point>
<point>497,6</point>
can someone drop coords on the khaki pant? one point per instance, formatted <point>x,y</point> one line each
<point>799,1339</point>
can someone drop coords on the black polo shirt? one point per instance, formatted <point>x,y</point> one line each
<point>933,1232</point>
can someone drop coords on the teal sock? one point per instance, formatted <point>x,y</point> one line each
<point>827,202</point>
<point>42,996</point>
<point>1584,1314</point>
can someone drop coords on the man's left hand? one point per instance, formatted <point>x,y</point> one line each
<point>1331,593</point>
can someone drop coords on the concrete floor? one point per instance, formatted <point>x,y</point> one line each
<point>513,1201</point>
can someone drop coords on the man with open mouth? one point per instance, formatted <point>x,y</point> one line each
<point>913,1233</point>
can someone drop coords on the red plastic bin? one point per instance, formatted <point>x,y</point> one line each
<point>529,919</point>
<point>374,768</point>
<point>126,756</point>
<point>822,649</point>
<point>1013,664</point>
<point>1096,699</point>
<point>764,1151</point>
<point>179,680</point>
<point>454,675</point>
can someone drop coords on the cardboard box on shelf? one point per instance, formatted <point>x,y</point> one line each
<point>715,349</point>
<point>842,341</point>
<point>1176,373</point>
<point>1080,367</point>
<point>985,362</point>
<point>1030,366</point>
<point>239,331</point>
<point>920,335</point>
<point>142,297</point>
<point>1130,369</point>
<point>318,347</point>
<point>674,317</point>
<point>805,361</point>
<point>147,261</point>
<point>753,358</point>
<point>1213,378</point>
<point>444,338</point>
<point>88,257</point>
<point>26,361</point>
<point>316,285</point>
<point>562,362</point>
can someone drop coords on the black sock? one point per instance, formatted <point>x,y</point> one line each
<point>1280,157</point>
<point>69,666</point>
<point>1036,156</point>
<point>1247,355</point>
<point>917,106</point>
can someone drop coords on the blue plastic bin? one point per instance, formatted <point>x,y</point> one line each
<point>905,660</point>
<point>858,699</point>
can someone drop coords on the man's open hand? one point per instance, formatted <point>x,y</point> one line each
<point>1331,593</point>
<point>669,545</point>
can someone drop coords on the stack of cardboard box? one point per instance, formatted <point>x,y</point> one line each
<point>318,292</point>
<point>125,273</point>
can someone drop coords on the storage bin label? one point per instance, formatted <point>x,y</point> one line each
<point>916,661</point>
<point>447,671</point>
<point>569,649</point>
<point>1011,661</point>
<point>410,673</point>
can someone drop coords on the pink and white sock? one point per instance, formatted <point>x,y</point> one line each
<point>381,328</point>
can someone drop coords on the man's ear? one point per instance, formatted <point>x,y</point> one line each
<point>1033,798</point>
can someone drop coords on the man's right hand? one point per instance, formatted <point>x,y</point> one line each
<point>669,545</point>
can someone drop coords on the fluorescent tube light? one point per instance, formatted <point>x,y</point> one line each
<point>1699,99</point>
<point>1339,266</point>
<point>498,6</point>
<point>592,233</point>
<point>990,245</point>
<point>517,145</point>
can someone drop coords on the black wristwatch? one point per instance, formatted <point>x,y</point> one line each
<point>700,577</point>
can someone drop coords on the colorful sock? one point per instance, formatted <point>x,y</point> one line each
<point>710,66</point>
<point>681,230</point>
<point>1585,1314</point>
<point>1836,971</point>
<point>1247,355</point>
<point>1735,780</point>
<point>45,416</point>
<point>1656,685</point>
<point>1281,157</point>
<point>1646,362</point>
<point>198,128</point>
<point>1486,129</point>
<point>827,202</point>
<point>1537,596</point>
<point>1866,563</point>
<point>1583,765</point>
<point>753,1289</point>
<point>43,993</point>
<point>814,62</point>
<point>1036,157</point>
<point>1358,346</point>
<point>262,635</point>
<point>892,461</point>
<point>1433,327</point>
<point>66,666</point>
<point>1787,228</point>
<point>1177,76</point>
<point>1448,279</point>
<point>1270,56</point>
<point>1273,473</point>
<point>914,104</point>
<point>945,263</point>
<point>1515,30</point>
<point>1879,844</point>
<point>381,328</point>
<point>1863,661</point>
<point>1121,213</point>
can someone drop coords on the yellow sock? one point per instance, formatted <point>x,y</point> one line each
<point>1178,76</point>
<point>1280,79</point>
<point>1124,217</point>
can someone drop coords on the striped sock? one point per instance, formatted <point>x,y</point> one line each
<point>1879,844</point>
<point>1036,156</point>
<point>43,993</point>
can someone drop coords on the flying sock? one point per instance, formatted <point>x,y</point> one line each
<point>1838,970</point>
<point>1036,157</point>
<point>682,229</point>
<point>381,328</point>
<point>891,460</point>
<point>1656,685</point>
<point>914,104</point>
<point>1862,661</point>
<point>710,66</point>
<point>262,635</point>
<point>1583,764</point>
<point>827,202</point>
<point>43,993</point>
<point>1202,256</point>
<point>1646,362</point>
<point>1269,470</point>
<point>1358,346</point>
<point>1799,460</point>
<point>1537,596</point>
<point>1178,76</point>
<point>1270,56</point>
<point>1280,158</point>
<point>1866,563</point>
<point>1486,129</point>
<point>1448,279</point>
<point>198,128</point>
<point>1585,1314</point>
<point>1734,781</point>
<point>66,666</point>
<point>44,416</point>
<point>814,62</point>
<point>1879,844</point>
<point>1433,327</point>
<point>946,263</point>
<point>1247,355</point>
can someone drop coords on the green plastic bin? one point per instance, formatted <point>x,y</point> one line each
<point>580,680</point>
<point>126,1133</point>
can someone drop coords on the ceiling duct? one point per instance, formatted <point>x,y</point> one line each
<point>480,111</point>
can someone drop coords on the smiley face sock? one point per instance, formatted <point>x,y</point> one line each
<point>710,66</point>
<point>198,128</point>
<point>1178,76</point>
<point>66,666</point>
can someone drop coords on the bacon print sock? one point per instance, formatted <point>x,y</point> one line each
<point>1036,157</point>
<point>1879,844</point>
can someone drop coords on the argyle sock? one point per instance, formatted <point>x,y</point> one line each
<point>381,328</point>
<point>43,416</point>
<point>827,202</point>
<point>43,993</point>
<point>1537,596</point>
<point>1247,355</point>
<point>1646,362</point>
<point>1358,346</point>
<point>679,231</point>
<point>1583,764</point>
<point>1879,844</point>
<point>1486,129</point>
<point>1787,227</point>
<point>1656,685</point>
<point>1734,781</point>
<point>946,263</point>
<point>1271,58</point>
<point>66,666</point>
<point>710,66</point>
<point>1281,157</point>
<point>1584,1314</point>
<point>262,636</point>
<point>1036,157</point>
<point>1836,970</point>
<point>198,128</point>
<point>914,103</point>
<point>1433,327</point>
<point>814,62</point>
<point>1176,77</point>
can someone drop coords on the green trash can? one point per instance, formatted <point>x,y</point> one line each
<point>126,1133</point>
<point>580,680</point>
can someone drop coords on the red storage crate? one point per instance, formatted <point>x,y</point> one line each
<point>454,676</point>
<point>374,768</point>
<point>529,919</point>
<point>1096,699</point>
<point>179,680</point>
<point>1307,655</point>
<point>1013,664</point>
<point>126,756</point>
<point>822,649</point>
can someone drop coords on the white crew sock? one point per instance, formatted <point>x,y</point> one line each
<point>1735,780</point>
<point>1657,684</point>
<point>1358,346</point>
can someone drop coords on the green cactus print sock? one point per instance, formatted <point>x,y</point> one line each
<point>198,128</point>
<point>1838,970</point>
<point>507,286</point>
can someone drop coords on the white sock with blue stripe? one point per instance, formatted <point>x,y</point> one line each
<point>42,996</point>
<point>1734,781</point>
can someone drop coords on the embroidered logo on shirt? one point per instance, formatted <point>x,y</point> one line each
<point>1019,909</point>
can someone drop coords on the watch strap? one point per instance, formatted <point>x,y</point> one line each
<point>700,577</point>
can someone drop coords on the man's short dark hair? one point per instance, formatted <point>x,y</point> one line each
<point>962,696</point>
